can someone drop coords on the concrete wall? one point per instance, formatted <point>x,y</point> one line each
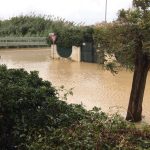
<point>75,56</point>
<point>109,57</point>
<point>53,52</point>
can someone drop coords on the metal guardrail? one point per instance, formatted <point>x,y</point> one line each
<point>22,41</point>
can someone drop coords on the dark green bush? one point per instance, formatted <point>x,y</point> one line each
<point>27,105</point>
<point>33,118</point>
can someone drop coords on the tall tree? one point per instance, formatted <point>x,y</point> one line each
<point>129,39</point>
<point>142,59</point>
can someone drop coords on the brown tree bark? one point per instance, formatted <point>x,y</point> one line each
<point>142,64</point>
<point>134,112</point>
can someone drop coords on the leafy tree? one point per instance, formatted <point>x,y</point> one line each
<point>139,20</point>
<point>129,39</point>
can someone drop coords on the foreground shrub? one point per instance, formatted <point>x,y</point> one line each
<point>27,105</point>
<point>33,118</point>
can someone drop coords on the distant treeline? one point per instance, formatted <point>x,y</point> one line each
<point>32,25</point>
<point>68,33</point>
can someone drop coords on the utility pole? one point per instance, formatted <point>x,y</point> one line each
<point>106,11</point>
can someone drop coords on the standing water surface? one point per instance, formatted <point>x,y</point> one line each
<point>93,86</point>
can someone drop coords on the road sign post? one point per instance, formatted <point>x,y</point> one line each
<point>53,37</point>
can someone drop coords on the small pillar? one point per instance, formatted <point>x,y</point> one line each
<point>54,54</point>
<point>76,54</point>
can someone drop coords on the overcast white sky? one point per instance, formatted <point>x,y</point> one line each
<point>86,11</point>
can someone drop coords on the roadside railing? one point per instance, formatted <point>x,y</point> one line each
<point>22,41</point>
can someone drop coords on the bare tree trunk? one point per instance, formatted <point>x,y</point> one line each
<point>134,112</point>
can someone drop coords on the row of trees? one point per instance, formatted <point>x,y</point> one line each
<point>31,25</point>
<point>68,33</point>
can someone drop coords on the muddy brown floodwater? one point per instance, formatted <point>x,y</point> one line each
<point>93,86</point>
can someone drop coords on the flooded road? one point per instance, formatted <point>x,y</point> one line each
<point>93,86</point>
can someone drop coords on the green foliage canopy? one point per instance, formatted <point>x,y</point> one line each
<point>121,36</point>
